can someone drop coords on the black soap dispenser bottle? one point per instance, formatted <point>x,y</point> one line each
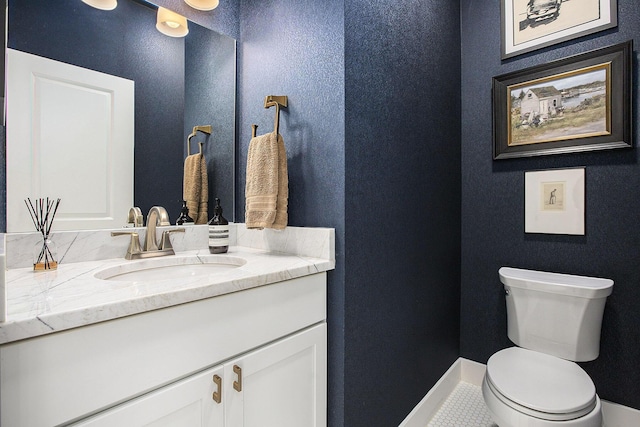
<point>218,231</point>
<point>184,218</point>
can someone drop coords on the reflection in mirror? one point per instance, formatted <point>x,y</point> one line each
<point>180,83</point>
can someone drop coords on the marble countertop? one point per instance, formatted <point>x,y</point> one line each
<point>40,303</point>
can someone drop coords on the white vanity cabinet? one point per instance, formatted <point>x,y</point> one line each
<point>158,368</point>
<point>281,385</point>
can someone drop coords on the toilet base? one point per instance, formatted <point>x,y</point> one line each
<point>505,416</point>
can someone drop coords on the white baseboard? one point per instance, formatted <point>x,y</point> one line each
<point>430,404</point>
<point>472,372</point>
<point>615,415</point>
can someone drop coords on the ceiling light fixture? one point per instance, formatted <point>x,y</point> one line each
<point>203,4</point>
<point>102,4</point>
<point>171,24</point>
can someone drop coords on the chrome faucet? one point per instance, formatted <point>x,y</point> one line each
<point>157,216</point>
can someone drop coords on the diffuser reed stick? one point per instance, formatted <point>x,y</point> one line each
<point>42,213</point>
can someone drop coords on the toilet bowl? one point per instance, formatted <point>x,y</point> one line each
<point>554,320</point>
<point>525,388</point>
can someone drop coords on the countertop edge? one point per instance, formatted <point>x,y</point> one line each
<point>61,320</point>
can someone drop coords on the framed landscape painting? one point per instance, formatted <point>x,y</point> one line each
<point>532,24</point>
<point>580,103</point>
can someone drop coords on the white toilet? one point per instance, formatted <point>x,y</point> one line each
<point>555,320</point>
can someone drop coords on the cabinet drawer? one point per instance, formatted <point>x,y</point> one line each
<point>62,377</point>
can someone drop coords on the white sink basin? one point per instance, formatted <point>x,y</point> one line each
<point>170,267</point>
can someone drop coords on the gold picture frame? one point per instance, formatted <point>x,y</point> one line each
<point>580,103</point>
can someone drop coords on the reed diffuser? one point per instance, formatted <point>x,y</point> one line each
<point>45,256</point>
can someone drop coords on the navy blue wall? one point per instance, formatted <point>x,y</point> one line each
<point>210,82</point>
<point>492,209</point>
<point>402,204</point>
<point>373,154</point>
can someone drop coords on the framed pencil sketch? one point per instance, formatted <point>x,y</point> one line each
<point>528,25</point>
<point>554,201</point>
<point>580,103</point>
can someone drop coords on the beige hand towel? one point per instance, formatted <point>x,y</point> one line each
<point>282,217</point>
<point>195,188</point>
<point>267,187</point>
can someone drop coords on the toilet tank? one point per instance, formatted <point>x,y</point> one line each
<point>556,314</point>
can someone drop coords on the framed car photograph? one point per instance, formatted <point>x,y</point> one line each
<point>528,25</point>
<point>554,201</point>
<point>580,103</point>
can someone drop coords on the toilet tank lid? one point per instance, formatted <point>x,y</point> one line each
<point>566,284</point>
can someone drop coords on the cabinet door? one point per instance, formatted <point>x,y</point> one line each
<point>280,385</point>
<point>190,402</point>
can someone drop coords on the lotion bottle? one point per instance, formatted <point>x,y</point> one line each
<point>218,231</point>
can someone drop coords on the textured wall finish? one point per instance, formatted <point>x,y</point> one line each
<point>492,209</point>
<point>210,84</point>
<point>402,219</point>
<point>398,306</point>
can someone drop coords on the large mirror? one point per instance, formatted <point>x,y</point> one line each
<point>180,83</point>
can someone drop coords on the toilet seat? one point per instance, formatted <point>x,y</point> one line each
<point>540,385</point>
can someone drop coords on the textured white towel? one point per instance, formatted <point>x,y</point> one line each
<point>267,188</point>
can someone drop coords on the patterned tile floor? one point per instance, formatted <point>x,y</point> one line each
<point>463,408</point>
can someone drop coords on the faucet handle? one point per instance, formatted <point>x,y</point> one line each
<point>134,244</point>
<point>165,243</point>
<point>135,217</point>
